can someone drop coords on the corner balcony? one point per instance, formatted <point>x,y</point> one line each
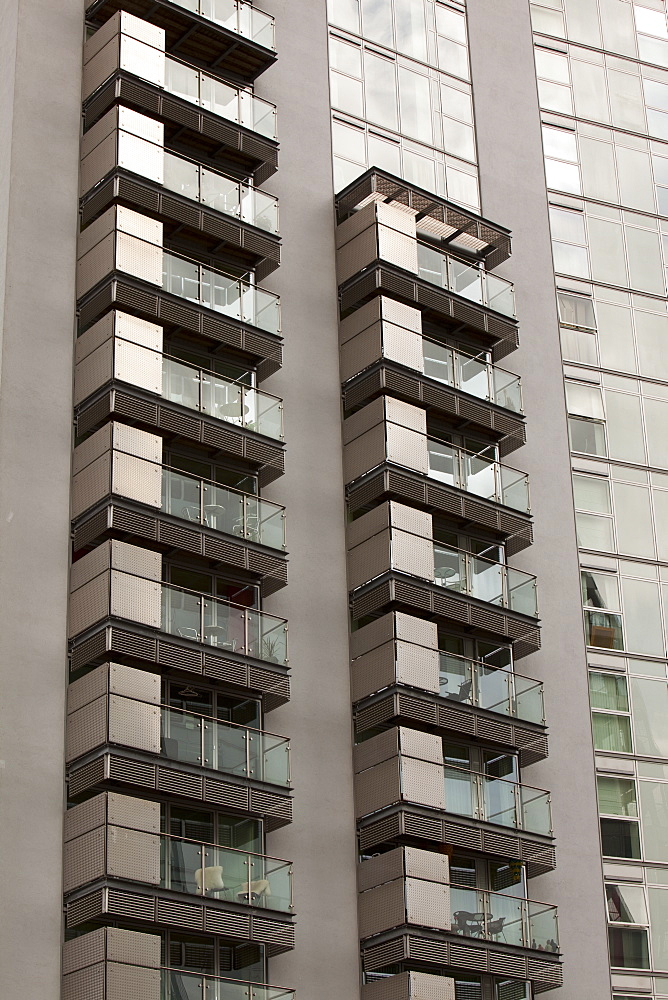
<point>113,843</point>
<point>128,963</point>
<point>387,452</point>
<point>394,560</point>
<point>379,253</point>
<point>123,159</point>
<point>383,349</point>
<point>118,604</point>
<point>399,675</point>
<point>125,62</point>
<point>121,487</point>
<point>409,892</point>
<point>122,263</point>
<point>403,788</point>
<point>119,733</point>
<point>120,369</point>
<point>227,36</point>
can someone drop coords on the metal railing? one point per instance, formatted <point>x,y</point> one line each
<point>175,984</point>
<point>224,194</point>
<point>473,375</point>
<point>478,473</point>
<point>497,800</point>
<point>239,106</point>
<point>237,16</point>
<point>473,682</point>
<point>222,398</point>
<point>469,281</point>
<point>485,579</point>
<point>222,508</point>
<point>494,916</point>
<point>224,746</point>
<point>225,873</point>
<point>227,626</point>
<point>224,293</point>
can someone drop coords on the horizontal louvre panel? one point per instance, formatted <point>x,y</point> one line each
<point>179,783</point>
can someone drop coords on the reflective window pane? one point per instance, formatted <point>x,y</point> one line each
<point>617,796</point>
<point>620,839</point>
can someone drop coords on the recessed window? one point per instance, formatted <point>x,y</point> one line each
<point>620,838</point>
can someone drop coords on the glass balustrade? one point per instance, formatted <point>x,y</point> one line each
<point>478,473</point>
<point>472,375</point>
<point>493,916</point>
<point>223,509</point>
<point>469,281</point>
<point>484,579</point>
<point>224,746</point>
<point>225,873</point>
<point>222,398</point>
<point>497,800</point>
<point>223,293</point>
<point>175,984</point>
<point>224,194</point>
<point>475,683</point>
<point>237,16</point>
<point>240,106</point>
<point>230,627</point>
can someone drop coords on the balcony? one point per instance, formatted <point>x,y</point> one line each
<point>231,36</point>
<point>130,961</point>
<point>486,580</point>
<point>119,731</point>
<point>387,450</point>
<point>383,349</point>
<point>403,788</point>
<point>379,253</point>
<point>504,692</point>
<point>125,61</point>
<point>123,159</point>
<point>466,280</point>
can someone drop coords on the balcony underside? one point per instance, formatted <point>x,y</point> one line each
<point>210,232</point>
<point>463,410</point>
<point>111,900</point>
<point>405,706</point>
<point>193,38</point>
<point>129,521</point>
<point>452,221</point>
<point>218,437</point>
<point>490,329</point>
<point>420,826</point>
<point>137,645</point>
<point>391,482</point>
<point>432,951</point>
<point>113,768</point>
<point>122,291</point>
<point>188,128</point>
<point>394,591</point>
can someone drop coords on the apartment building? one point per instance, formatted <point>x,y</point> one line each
<point>332,451</point>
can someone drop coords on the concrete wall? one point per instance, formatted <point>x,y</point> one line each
<point>326,961</point>
<point>40,79</point>
<point>513,194</point>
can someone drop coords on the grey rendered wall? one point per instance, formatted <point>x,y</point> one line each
<point>325,962</point>
<point>513,194</point>
<point>40,81</point>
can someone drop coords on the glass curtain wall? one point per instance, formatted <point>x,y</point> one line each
<point>602,69</point>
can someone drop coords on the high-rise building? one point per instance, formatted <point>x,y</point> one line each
<point>342,317</point>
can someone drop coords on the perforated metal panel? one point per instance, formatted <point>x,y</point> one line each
<point>367,315</point>
<point>101,64</point>
<point>138,331</point>
<point>397,248</point>
<point>416,630</point>
<point>427,865</point>
<point>357,254</point>
<point>88,949</point>
<point>399,314</point>
<point>133,683</point>
<point>85,984</point>
<point>128,810</point>
<point>83,859</point>
<point>133,855</point>
<point>134,724</point>
<point>141,259</point>
<point>428,903</point>
<point>425,746</point>
<point>360,352</point>
<point>91,484</point>
<point>397,217</point>
<point>135,598</point>
<point>364,453</point>
<point>136,442</point>
<point>382,868</point>
<point>138,365</point>
<point>422,782</point>
<point>133,947</point>
<point>97,163</point>
<point>377,749</point>
<point>403,346</point>
<point>374,634</point>
<point>367,525</point>
<point>366,418</point>
<point>137,479</point>
<point>373,671</point>
<point>85,817</point>
<point>413,555</point>
<point>355,224</point>
<point>381,908</point>
<point>86,729</point>
<point>405,414</point>
<point>93,371</point>
<point>407,448</point>
<point>142,60</point>
<point>417,666</point>
<point>141,156</point>
<point>89,604</point>
<point>377,787</point>
<point>418,522</point>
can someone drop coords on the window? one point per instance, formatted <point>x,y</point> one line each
<point>603,628</point>
<point>620,838</point>
<point>617,796</point>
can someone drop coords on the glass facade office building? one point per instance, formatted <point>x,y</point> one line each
<point>334,492</point>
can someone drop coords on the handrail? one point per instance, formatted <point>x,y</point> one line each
<point>470,691</point>
<point>244,14</point>
<point>508,395</point>
<point>470,281</point>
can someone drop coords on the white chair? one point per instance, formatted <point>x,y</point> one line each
<point>212,880</point>
<point>259,888</point>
